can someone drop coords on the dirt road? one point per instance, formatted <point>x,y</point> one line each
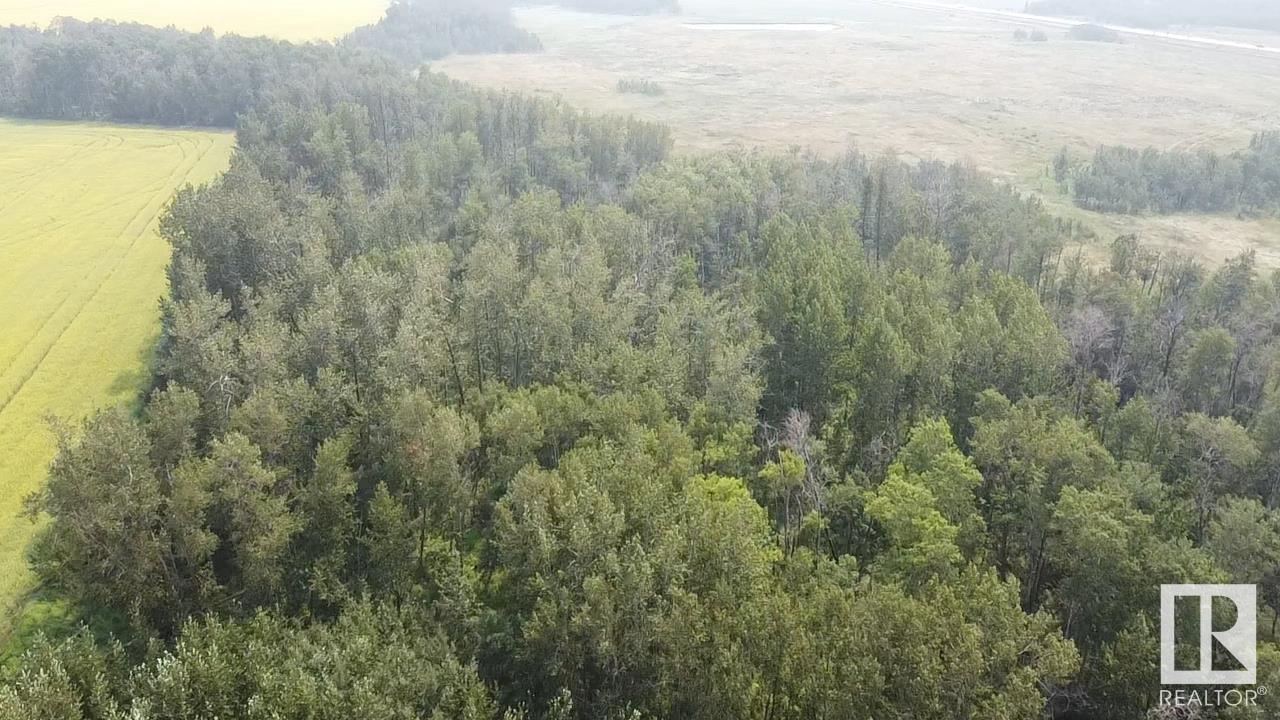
<point>1044,20</point>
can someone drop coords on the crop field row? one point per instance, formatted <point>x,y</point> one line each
<point>81,273</point>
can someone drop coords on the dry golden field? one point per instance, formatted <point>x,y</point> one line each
<point>951,86</point>
<point>82,270</point>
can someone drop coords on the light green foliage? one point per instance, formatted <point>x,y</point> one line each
<point>640,86</point>
<point>931,342</point>
<point>922,542</point>
<point>171,418</point>
<point>1124,677</point>
<point>1268,674</point>
<point>787,486</point>
<point>1135,432</point>
<point>932,459</point>
<point>927,507</point>
<point>589,564</point>
<point>326,504</point>
<point>424,350</point>
<point>391,546</point>
<point>712,347</point>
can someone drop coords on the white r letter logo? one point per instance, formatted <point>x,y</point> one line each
<point>1241,640</point>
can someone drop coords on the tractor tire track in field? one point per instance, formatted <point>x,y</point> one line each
<point>175,180</point>
<point>92,212</point>
<point>48,229</point>
<point>182,171</point>
<point>29,180</point>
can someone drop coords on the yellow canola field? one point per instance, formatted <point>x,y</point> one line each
<point>82,270</point>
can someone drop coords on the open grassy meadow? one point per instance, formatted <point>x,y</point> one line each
<point>81,273</point>
<point>287,19</point>
<point>893,74</point>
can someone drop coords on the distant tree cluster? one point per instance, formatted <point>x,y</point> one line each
<point>1094,33</point>
<point>126,72</point>
<point>1126,180</point>
<point>416,31</point>
<point>134,73</point>
<point>1036,35</point>
<point>640,86</point>
<point>1256,14</point>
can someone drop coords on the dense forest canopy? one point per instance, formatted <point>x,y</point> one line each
<point>1126,180</point>
<point>1256,14</point>
<point>127,72</point>
<point>469,405</point>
